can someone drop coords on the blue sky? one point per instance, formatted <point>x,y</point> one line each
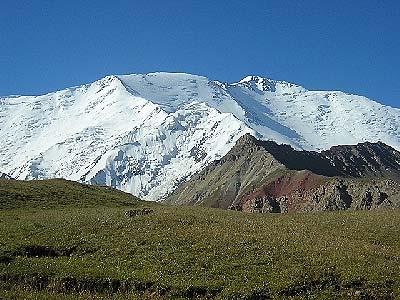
<point>353,46</point>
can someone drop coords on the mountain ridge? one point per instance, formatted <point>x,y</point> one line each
<point>263,176</point>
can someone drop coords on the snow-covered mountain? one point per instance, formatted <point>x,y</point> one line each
<point>147,133</point>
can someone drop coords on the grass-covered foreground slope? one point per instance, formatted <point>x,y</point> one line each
<point>91,247</point>
<point>59,193</point>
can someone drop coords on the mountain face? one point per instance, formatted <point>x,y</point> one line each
<point>146,134</point>
<point>263,176</point>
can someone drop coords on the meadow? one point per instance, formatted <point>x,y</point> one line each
<point>63,240</point>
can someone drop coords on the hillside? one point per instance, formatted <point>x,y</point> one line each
<point>263,176</point>
<point>59,193</point>
<point>147,133</point>
<point>53,246</point>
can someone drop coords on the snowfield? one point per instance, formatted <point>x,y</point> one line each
<point>146,133</point>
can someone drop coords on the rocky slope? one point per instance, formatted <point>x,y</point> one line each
<point>5,176</point>
<point>263,176</point>
<point>147,133</point>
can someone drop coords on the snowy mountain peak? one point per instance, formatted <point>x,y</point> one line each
<point>168,90</point>
<point>109,80</point>
<point>146,133</point>
<point>269,85</point>
<point>250,78</point>
<point>258,83</point>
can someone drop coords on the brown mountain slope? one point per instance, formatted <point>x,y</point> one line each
<point>262,176</point>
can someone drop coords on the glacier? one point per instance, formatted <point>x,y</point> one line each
<point>147,133</point>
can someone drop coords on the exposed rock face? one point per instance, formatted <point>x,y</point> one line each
<point>262,176</point>
<point>330,194</point>
<point>5,176</point>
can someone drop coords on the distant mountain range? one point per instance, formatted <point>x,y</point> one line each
<point>262,176</point>
<point>149,133</point>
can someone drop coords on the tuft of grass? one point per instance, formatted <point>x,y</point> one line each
<point>90,247</point>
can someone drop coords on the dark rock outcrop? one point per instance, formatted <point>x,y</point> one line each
<point>5,176</point>
<point>364,159</point>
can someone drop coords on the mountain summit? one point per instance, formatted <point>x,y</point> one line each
<point>147,133</point>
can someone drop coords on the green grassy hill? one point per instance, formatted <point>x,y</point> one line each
<point>64,240</point>
<point>59,193</point>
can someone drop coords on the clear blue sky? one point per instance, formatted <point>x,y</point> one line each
<point>352,46</point>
